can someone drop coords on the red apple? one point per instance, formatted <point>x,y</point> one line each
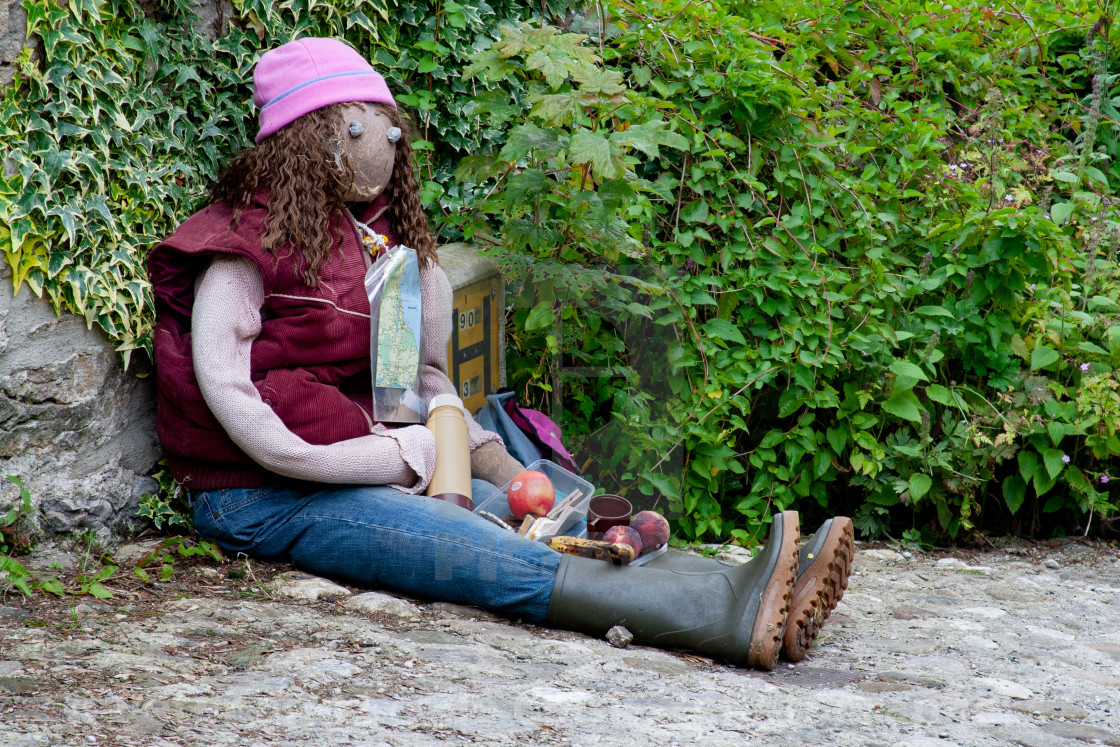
<point>625,535</point>
<point>531,493</point>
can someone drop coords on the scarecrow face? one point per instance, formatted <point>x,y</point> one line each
<point>364,135</point>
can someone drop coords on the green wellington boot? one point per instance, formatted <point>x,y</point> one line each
<point>824,565</point>
<point>738,615</point>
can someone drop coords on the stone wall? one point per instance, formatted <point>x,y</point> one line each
<point>74,426</point>
<point>13,37</point>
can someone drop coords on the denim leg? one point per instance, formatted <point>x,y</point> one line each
<point>381,537</point>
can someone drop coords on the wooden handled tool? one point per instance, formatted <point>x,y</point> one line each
<point>615,552</point>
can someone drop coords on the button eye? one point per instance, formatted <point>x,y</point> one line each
<point>356,128</point>
<point>394,134</point>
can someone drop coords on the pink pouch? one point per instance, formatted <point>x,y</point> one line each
<point>544,433</point>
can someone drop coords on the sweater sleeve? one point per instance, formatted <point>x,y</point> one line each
<point>225,321</point>
<point>435,290</point>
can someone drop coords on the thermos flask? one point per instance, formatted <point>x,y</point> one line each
<point>451,480</point>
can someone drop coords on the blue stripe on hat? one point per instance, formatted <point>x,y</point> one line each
<point>316,80</point>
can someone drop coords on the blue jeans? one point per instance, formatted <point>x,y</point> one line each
<point>380,537</point>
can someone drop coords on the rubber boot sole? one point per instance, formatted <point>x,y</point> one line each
<point>819,589</point>
<point>774,609</point>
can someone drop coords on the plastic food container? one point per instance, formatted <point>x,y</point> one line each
<point>564,483</point>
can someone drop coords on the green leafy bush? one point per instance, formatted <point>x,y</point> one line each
<point>887,254</point>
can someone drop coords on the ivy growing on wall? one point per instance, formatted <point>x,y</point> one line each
<point>115,133</point>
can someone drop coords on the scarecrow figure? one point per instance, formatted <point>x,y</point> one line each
<point>265,397</point>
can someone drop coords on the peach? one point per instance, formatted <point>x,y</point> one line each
<point>653,529</point>
<point>626,536</point>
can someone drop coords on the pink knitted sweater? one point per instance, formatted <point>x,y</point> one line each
<point>226,319</point>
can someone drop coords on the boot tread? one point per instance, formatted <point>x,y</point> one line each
<point>819,589</point>
<point>773,612</point>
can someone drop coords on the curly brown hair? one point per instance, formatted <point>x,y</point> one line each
<point>306,204</point>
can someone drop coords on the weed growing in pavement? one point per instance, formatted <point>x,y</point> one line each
<point>916,540</point>
<point>165,554</point>
<point>95,565</point>
<point>256,589</point>
<point>169,508</point>
<point>20,514</point>
<point>15,539</point>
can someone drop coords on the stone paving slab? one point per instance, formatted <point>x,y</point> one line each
<point>924,651</point>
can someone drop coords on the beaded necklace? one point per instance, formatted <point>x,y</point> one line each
<point>372,241</point>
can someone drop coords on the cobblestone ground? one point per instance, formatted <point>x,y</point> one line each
<point>1019,645</point>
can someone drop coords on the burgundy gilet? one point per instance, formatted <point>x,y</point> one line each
<point>310,362</point>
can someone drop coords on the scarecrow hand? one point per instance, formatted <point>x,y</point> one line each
<point>492,463</point>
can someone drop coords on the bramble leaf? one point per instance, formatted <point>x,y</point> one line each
<point>1014,492</point>
<point>721,329</point>
<point>919,485</point>
<point>1044,356</point>
<point>903,404</point>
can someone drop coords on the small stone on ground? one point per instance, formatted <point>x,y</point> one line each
<point>619,637</point>
<point>308,588</point>
<point>378,603</point>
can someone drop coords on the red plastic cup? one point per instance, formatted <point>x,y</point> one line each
<point>606,511</point>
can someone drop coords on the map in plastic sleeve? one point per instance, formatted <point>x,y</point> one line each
<point>396,336</point>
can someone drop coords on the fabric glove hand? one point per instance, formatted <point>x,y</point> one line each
<point>492,463</point>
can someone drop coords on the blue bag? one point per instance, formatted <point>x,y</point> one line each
<point>493,418</point>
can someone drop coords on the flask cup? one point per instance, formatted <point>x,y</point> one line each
<point>451,479</point>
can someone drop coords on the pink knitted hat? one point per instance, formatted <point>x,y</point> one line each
<point>308,74</point>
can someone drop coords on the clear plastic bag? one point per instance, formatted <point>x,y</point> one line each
<point>396,350</point>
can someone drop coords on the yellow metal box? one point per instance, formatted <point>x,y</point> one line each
<point>475,355</point>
